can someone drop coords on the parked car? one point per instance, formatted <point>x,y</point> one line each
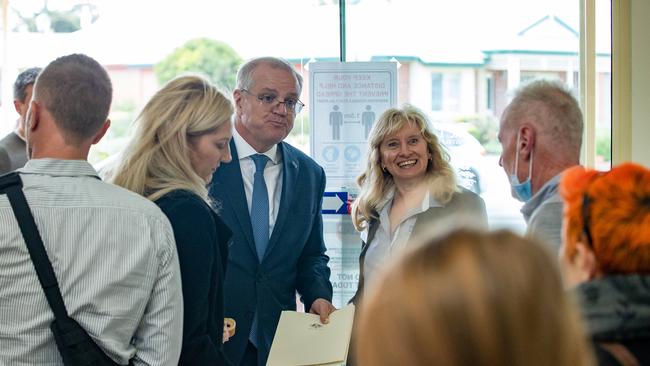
<point>466,154</point>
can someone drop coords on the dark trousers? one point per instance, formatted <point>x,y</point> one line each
<point>250,355</point>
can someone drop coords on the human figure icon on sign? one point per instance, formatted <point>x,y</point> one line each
<point>367,119</point>
<point>336,120</point>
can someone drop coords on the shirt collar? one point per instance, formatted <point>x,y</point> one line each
<point>428,201</point>
<point>245,150</point>
<point>59,168</point>
<point>548,189</point>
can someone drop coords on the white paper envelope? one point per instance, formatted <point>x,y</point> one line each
<point>301,339</point>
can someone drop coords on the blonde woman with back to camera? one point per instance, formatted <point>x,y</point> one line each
<point>182,137</point>
<point>471,298</point>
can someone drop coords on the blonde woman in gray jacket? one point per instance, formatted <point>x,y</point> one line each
<point>408,185</point>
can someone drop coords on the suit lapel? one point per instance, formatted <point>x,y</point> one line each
<point>425,219</point>
<point>373,225</point>
<point>290,168</point>
<point>231,189</point>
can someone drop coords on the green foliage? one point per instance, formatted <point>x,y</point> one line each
<point>64,22</point>
<point>45,19</point>
<point>604,144</point>
<point>485,130</point>
<point>214,59</point>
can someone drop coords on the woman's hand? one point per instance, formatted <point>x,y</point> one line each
<point>228,329</point>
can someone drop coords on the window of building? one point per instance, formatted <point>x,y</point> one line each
<point>489,93</point>
<point>453,101</point>
<point>436,92</point>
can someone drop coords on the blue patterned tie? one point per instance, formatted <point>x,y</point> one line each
<point>260,206</point>
<point>259,220</point>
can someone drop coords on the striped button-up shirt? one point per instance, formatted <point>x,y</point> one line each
<point>114,256</point>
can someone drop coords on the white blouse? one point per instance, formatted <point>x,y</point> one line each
<point>385,246</point>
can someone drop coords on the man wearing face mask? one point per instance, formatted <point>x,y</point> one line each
<point>540,134</point>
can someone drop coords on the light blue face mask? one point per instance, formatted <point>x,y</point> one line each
<point>523,190</point>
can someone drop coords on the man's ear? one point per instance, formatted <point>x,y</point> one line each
<point>237,98</point>
<point>33,116</point>
<point>585,262</point>
<point>17,106</point>
<point>526,141</point>
<point>102,131</point>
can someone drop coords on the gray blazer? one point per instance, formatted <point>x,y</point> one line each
<point>464,202</point>
<point>13,153</point>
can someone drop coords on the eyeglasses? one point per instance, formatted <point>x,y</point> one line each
<point>292,105</point>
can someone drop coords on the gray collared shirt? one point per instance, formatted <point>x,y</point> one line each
<point>543,214</point>
<point>114,256</point>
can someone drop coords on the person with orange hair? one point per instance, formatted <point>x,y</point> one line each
<point>606,256</point>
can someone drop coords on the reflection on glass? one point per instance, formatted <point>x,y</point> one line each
<point>457,61</point>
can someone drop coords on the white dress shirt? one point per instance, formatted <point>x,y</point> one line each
<point>385,246</point>
<point>114,256</point>
<point>272,175</point>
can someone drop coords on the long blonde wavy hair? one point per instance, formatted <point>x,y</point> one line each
<point>157,160</point>
<point>375,183</point>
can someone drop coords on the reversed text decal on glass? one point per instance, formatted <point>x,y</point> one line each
<point>346,99</point>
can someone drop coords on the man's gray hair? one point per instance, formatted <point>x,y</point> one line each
<point>77,92</point>
<point>245,73</point>
<point>552,108</point>
<point>25,79</point>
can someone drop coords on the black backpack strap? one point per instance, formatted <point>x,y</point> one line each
<point>12,185</point>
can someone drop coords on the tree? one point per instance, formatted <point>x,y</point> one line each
<point>39,17</point>
<point>214,59</point>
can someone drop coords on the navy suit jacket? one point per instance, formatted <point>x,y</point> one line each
<point>295,257</point>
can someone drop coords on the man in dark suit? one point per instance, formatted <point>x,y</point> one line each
<point>13,150</point>
<point>270,196</point>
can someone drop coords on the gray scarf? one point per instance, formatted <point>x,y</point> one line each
<point>616,307</point>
